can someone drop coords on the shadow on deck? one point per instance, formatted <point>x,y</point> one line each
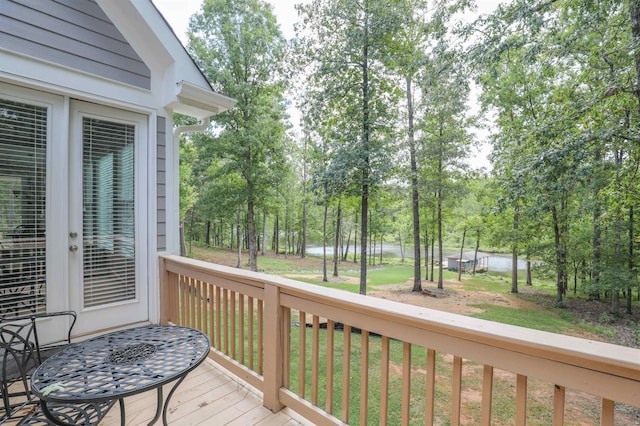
<point>208,396</point>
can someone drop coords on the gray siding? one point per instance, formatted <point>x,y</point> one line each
<point>73,33</point>
<point>162,184</point>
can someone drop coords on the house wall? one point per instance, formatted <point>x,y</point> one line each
<point>162,184</point>
<point>73,33</point>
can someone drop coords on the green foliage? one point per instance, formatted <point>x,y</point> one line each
<point>241,48</point>
<point>558,81</point>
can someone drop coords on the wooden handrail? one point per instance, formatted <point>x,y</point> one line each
<point>608,371</point>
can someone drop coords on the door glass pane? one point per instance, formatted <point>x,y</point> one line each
<point>108,212</point>
<point>23,143</point>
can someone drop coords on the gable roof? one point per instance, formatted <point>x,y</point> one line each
<point>184,87</point>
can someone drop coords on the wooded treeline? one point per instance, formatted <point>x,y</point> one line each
<point>388,130</point>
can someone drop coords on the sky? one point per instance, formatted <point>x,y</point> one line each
<point>178,12</point>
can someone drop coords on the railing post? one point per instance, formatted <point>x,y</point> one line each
<point>165,306</point>
<point>273,348</point>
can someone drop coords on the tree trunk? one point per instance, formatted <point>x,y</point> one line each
<point>372,246</point>
<point>207,234</point>
<point>183,245</point>
<point>355,242</point>
<point>253,248</point>
<point>346,247</point>
<point>433,256</point>
<point>336,250</point>
<point>363,239</point>
<point>631,265</point>
<point>303,246</point>
<point>239,263</point>
<point>417,280</point>
<point>475,254</point>
<point>464,235</point>
<point>426,254</point>
<point>514,251</point>
<point>264,232</point>
<point>597,235</point>
<point>365,142</point>
<point>440,255</point>
<point>558,249</point>
<point>324,243</point>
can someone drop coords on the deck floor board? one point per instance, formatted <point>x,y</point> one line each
<point>208,396</point>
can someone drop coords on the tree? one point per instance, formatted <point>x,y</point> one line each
<point>240,46</point>
<point>444,138</point>
<point>344,42</point>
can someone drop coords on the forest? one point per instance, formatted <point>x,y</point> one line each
<point>392,99</point>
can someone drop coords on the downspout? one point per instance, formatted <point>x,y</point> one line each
<point>204,124</point>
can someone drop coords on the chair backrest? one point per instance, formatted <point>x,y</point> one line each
<point>19,355</point>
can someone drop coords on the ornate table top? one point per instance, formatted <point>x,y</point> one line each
<point>120,364</point>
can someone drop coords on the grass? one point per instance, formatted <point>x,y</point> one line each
<point>537,318</point>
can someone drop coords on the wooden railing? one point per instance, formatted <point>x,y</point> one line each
<point>336,357</point>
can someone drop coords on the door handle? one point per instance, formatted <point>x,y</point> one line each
<point>73,248</point>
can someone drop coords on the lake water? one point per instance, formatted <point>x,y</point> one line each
<point>497,262</point>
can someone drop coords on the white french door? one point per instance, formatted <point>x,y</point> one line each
<point>72,211</point>
<point>107,257</point>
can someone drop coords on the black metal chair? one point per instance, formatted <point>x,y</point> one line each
<point>20,354</point>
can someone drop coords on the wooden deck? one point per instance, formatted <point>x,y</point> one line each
<point>208,396</point>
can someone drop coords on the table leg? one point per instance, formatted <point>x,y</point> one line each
<point>166,403</point>
<point>122,415</point>
<point>158,407</point>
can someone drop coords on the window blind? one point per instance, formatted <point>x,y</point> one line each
<point>108,212</point>
<point>23,144</point>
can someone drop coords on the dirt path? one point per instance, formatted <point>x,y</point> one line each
<point>454,298</point>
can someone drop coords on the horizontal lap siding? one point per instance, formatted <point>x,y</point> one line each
<point>73,33</point>
<point>162,185</point>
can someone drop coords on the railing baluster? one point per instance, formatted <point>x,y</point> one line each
<point>302,354</point>
<point>192,303</point>
<point>184,297</point>
<point>607,413</point>
<point>406,382</point>
<point>219,318</point>
<point>260,337</point>
<point>241,326</point>
<point>233,335</point>
<point>384,381</point>
<point>456,391</point>
<point>558,405</point>
<point>315,359</point>
<point>487,394</point>
<point>250,328</point>
<point>364,377</point>
<point>329,369</point>
<point>431,387</point>
<point>346,371</point>
<point>521,400</point>
<point>225,320</point>
<point>202,309</point>
<point>210,312</point>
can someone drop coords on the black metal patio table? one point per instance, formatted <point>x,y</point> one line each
<point>120,364</point>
